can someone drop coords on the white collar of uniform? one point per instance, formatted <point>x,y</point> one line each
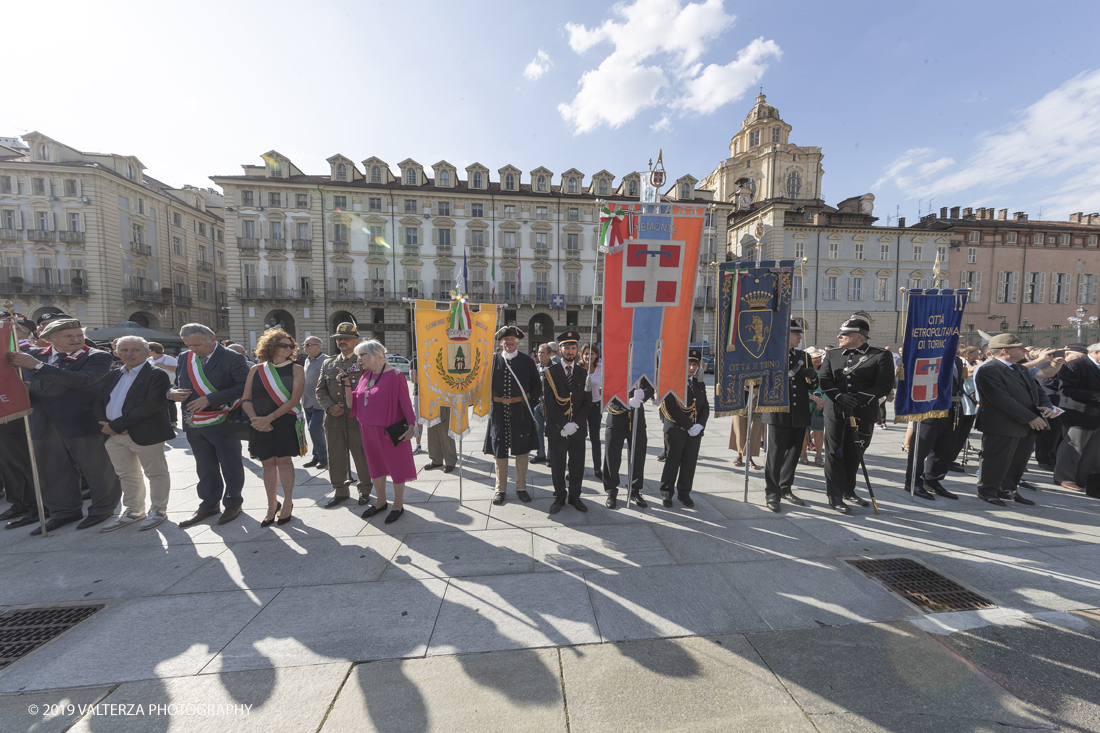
<point>509,355</point>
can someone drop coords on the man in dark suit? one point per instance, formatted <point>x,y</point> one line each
<point>565,404</point>
<point>853,377</point>
<point>787,430</point>
<point>1079,455</point>
<point>1012,410</point>
<point>133,411</point>
<point>512,431</point>
<point>64,381</point>
<point>936,444</point>
<point>209,382</point>
<point>619,435</point>
<point>687,421</point>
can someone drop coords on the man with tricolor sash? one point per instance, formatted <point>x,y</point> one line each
<point>209,382</point>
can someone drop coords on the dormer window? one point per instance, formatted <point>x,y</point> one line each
<point>510,182</point>
<point>277,169</point>
<point>445,178</point>
<point>775,134</point>
<point>341,172</point>
<point>410,177</point>
<point>375,175</point>
<point>603,187</point>
<point>572,185</point>
<point>754,138</point>
<point>130,171</point>
<point>541,185</point>
<point>685,191</point>
<point>477,180</point>
<point>43,152</point>
<point>632,189</point>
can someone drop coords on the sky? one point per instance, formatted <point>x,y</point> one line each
<point>923,104</point>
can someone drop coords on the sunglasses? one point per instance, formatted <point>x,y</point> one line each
<point>286,346</point>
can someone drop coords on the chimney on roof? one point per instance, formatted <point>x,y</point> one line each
<point>901,222</point>
<point>954,212</point>
<point>943,212</point>
<point>1019,216</point>
<point>968,213</point>
<point>1076,217</point>
<point>1002,214</point>
<point>988,213</point>
<point>1094,219</point>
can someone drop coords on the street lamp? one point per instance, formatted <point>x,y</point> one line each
<point>1079,320</point>
<point>1004,325</point>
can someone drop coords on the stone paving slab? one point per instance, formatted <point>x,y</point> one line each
<point>515,691</point>
<point>738,541</point>
<point>587,547</point>
<point>441,516</point>
<point>284,700</point>
<point>47,712</point>
<point>457,554</point>
<point>137,639</point>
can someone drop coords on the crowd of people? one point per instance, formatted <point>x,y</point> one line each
<point>101,419</point>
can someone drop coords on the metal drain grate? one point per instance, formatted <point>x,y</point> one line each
<point>920,586</point>
<point>21,632</point>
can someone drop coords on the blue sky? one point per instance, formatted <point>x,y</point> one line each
<point>964,103</point>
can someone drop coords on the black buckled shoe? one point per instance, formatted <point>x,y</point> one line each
<point>612,500</point>
<point>686,500</point>
<point>636,497</point>
<point>853,499</point>
<point>790,498</point>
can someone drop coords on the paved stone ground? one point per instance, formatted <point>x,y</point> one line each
<point>477,617</point>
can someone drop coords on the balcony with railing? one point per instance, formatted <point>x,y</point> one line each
<point>11,234</point>
<point>702,301</point>
<point>412,250</point>
<point>40,235</point>
<point>205,266</point>
<point>71,237</point>
<point>302,245</point>
<point>275,245</point>
<point>248,244</point>
<point>572,254</point>
<point>274,294</point>
<point>509,252</point>
<point>181,299</point>
<point>146,296</point>
<point>378,250</point>
<point>339,246</point>
<point>443,250</point>
<point>574,299</point>
<point>477,251</point>
<point>141,249</point>
<point>542,253</point>
<point>346,296</point>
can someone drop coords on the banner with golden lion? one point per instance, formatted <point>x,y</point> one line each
<point>455,359</point>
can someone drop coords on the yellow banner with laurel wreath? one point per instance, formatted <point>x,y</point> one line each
<point>454,363</point>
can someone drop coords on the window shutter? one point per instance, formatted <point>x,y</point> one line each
<point>1082,290</point>
<point>851,292</point>
<point>1014,281</point>
<point>1041,289</point>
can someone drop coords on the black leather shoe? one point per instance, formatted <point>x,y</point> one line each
<point>1030,486</point>
<point>557,505</point>
<point>636,497</point>
<point>311,464</point>
<point>922,494</point>
<point>364,499</point>
<point>840,507</point>
<point>15,510</point>
<point>937,488</point>
<point>773,504</point>
<point>229,515</point>
<point>686,500</point>
<point>598,474</point>
<point>336,501</point>
<point>524,497</point>
<point>449,469</point>
<point>578,505</point>
<point>394,516</point>
<point>956,468</point>
<point>322,465</point>
<point>372,510</point>
<point>853,499</point>
<point>1021,500</point>
<point>538,459</point>
<point>666,499</point>
<point>792,499</point>
<point>53,524</point>
<point>1047,467</point>
<point>612,501</point>
<point>91,521</point>
<point>23,521</point>
<point>498,498</point>
<point>994,502</point>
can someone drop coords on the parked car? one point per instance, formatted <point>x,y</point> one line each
<point>399,363</point>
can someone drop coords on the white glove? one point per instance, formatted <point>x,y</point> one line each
<point>571,427</point>
<point>695,430</point>
<point>636,401</point>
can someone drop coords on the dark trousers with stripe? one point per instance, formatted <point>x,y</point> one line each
<point>784,450</point>
<point>683,455</point>
<point>617,439</point>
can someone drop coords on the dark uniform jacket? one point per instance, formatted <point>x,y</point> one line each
<point>802,380</point>
<point>1080,393</point>
<point>1010,398</point>
<point>866,372</point>
<point>64,393</point>
<point>329,391</point>
<point>145,411</point>
<point>225,370</point>
<point>696,411</point>
<point>958,376</point>
<point>511,429</point>
<point>564,403</point>
<point>620,416</point>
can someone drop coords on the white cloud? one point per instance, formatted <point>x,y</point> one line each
<point>538,66</point>
<point>661,125</point>
<point>656,61</point>
<point>1055,139</point>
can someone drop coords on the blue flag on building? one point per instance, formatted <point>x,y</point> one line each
<point>928,354</point>
<point>754,332</point>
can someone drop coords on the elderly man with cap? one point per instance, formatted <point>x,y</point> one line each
<point>1079,454</point>
<point>1012,410</point>
<point>853,376</point>
<point>787,430</point>
<point>341,429</point>
<point>64,382</point>
<point>565,405</point>
<point>512,430</point>
<point>687,420</point>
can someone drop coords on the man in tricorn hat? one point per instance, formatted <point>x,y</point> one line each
<point>512,430</point>
<point>342,430</point>
<point>787,430</point>
<point>1012,411</point>
<point>853,376</point>
<point>687,420</point>
<point>565,406</point>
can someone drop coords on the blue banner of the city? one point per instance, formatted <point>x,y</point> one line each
<point>928,354</point>
<point>754,331</point>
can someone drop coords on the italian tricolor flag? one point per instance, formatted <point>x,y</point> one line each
<point>279,392</point>
<point>200,384</point>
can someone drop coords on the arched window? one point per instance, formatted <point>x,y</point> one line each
<point>685,191</point>
<point>541,183</point>
<point>444,178</point>
<point>410,177</point>
<point>375,175</point>
<point>603,186</point>
<point>43,152</point>
<point>572,185</point>
<point>129,171</point>
<point>775,134</point>
<point>341,172</point>
<point>510,182</point>
<point>736,147</point>
<point>794,184</point>
<point>632,189</point>
<point>477,180</point>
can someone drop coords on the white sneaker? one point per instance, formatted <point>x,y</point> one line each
<point>155,517</point>
<point>127,517</point>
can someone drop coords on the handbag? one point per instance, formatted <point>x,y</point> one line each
<point>238,425</point>
<point>396,430</point>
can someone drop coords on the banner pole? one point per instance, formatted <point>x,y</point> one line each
<point>748,440</point>
<point>633,432</point>
<point>461,460</point>
<point>34,474</point>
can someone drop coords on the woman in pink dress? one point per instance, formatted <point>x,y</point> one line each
<point>382,399</point>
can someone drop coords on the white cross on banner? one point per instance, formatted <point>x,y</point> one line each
<point>652,274</point>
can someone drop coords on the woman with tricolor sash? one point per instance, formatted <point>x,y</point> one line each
<point>272,397</point>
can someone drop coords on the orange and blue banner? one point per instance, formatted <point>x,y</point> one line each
<point>649,288</point>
